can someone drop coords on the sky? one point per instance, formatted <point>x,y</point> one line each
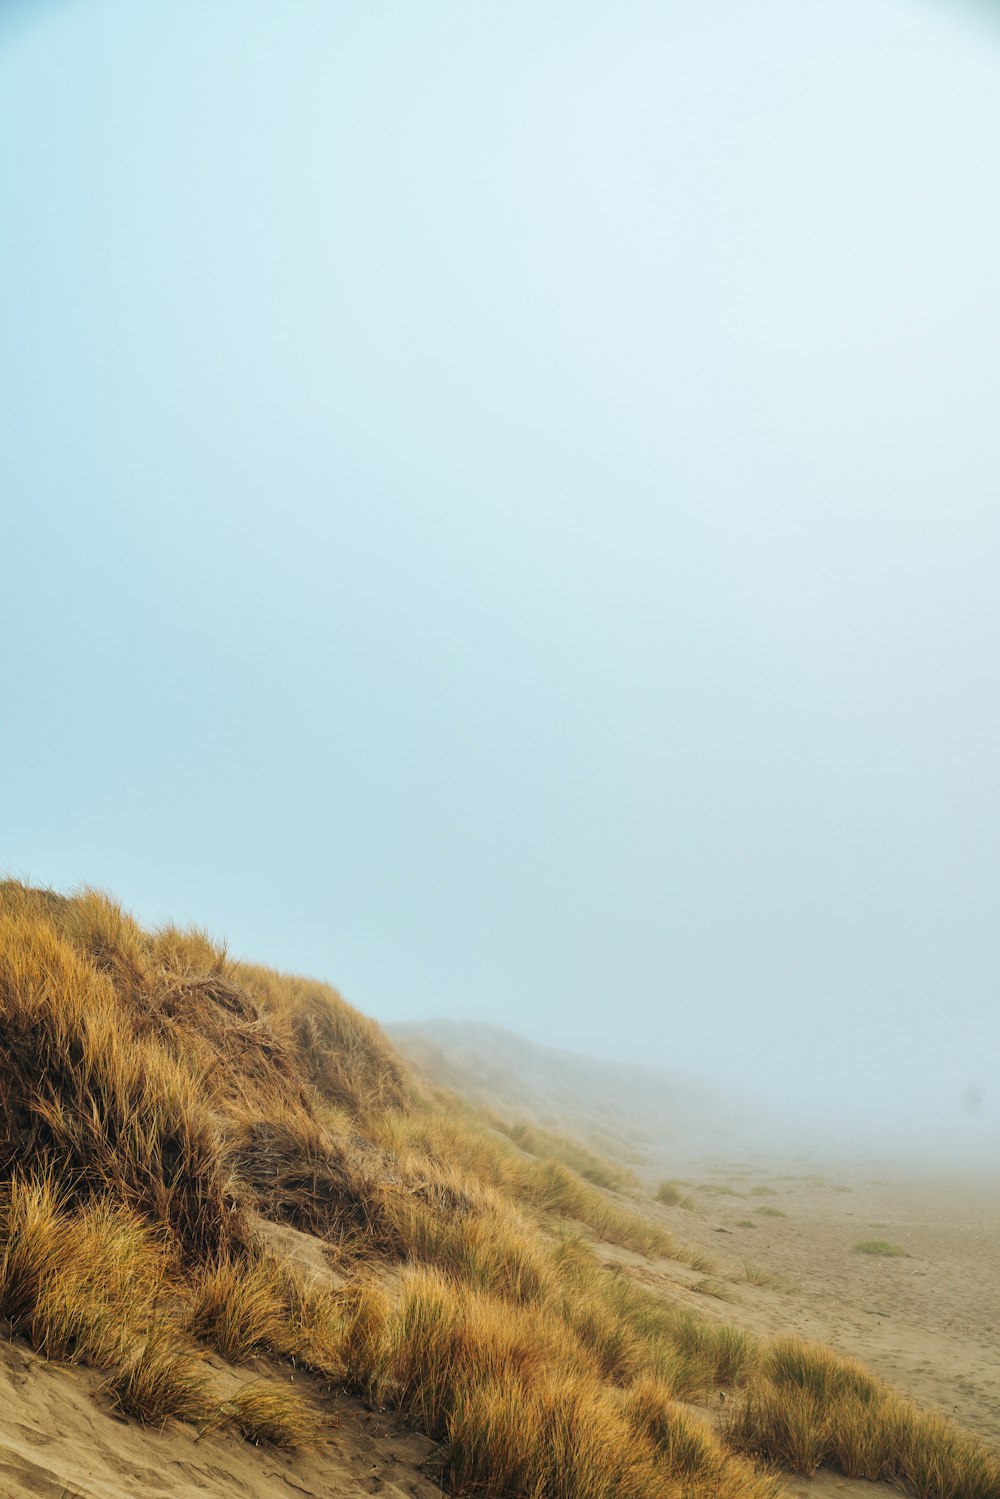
<point>501,511</point>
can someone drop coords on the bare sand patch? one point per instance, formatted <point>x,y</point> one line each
<point>928,1322</point>
<point>57,1442</point>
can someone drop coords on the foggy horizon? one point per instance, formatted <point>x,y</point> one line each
<point>501,514</point>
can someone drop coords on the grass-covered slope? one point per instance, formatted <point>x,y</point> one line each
<point>160,1104</point>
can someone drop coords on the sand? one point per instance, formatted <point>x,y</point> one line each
<point>928,1322</point>
<point>57,1441</point>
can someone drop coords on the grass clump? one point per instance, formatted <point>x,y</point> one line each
<point>80,1284</point>
<point>696,1259</point>
<point>88,1092</point>
<point>688,1450</point>
<point>756,1275</point>
<point>158,1378</point>
<point>248,1306</point>
<point>96,1285</point>
<point>238,1307</point>
<point>770,1212</point>
<point>271,1414</point>
<point>808,1406</point>
<point>728,1354</point>
<point>518,1401</point>
<point>880,1247</point>
<point>671,1195</point>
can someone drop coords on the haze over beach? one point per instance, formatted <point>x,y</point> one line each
<point>503,505</point>
<point>500,516</point>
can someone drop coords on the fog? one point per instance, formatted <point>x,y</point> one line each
<point>501,512</point>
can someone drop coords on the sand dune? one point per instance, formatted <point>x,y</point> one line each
<point>217,1177</point>
<point>928,1321</point>
<point>58,1442</point>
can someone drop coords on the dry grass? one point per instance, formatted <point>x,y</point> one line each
<point>808,1406</point>
<point>586,1163</point>
<point>671,1195</point>
<point>756,1275</point>
<point>271,1414</point>
<point>769,1212</point>
<point>312,1331</point>
<point>520,1403</point>
<point>95,1284</point>
<point>80,1284</point>
<point>158,1377</point>
<point>156,1097</point>
<point>688,1448</point>
<point>696,1259</point>
<point>238,1307</point>
<point>86,1090</point>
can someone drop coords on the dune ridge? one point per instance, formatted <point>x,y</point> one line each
<point>230,1213</point>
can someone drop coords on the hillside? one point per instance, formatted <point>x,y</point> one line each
<point>637,1114</point>
<point>253,1249</point>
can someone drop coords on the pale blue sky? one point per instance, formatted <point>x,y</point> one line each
<point>501,511</point>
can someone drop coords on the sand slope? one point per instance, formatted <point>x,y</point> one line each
<point>929,1323</point>
<point>58,1442</point>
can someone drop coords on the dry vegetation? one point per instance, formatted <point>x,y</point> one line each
<point>809,1406</point>
<point>671,1195</point>
<point>158,1100</point>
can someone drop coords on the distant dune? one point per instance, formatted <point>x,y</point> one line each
<point>643,1115</point>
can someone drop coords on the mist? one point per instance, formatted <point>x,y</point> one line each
<point>500,512</point>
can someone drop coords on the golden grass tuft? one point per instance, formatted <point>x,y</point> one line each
<point>159,1378</point>
<point>272,1414</point>
<point>696,1259</point>
<point>810,1407</point>
<point>687,1445</point>
<point>238,1306</point>
<point>880,1247</point>
<point>342,1053</point>
<point>251,1305</point>
<point>756,1275</point>
<point>789,1426</point>
<point>78,1283</point>
<point>313,1331</point>
<point>672,1196</point>
<point>106,1108</point>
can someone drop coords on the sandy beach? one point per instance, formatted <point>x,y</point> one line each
<point>928,1320</point>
